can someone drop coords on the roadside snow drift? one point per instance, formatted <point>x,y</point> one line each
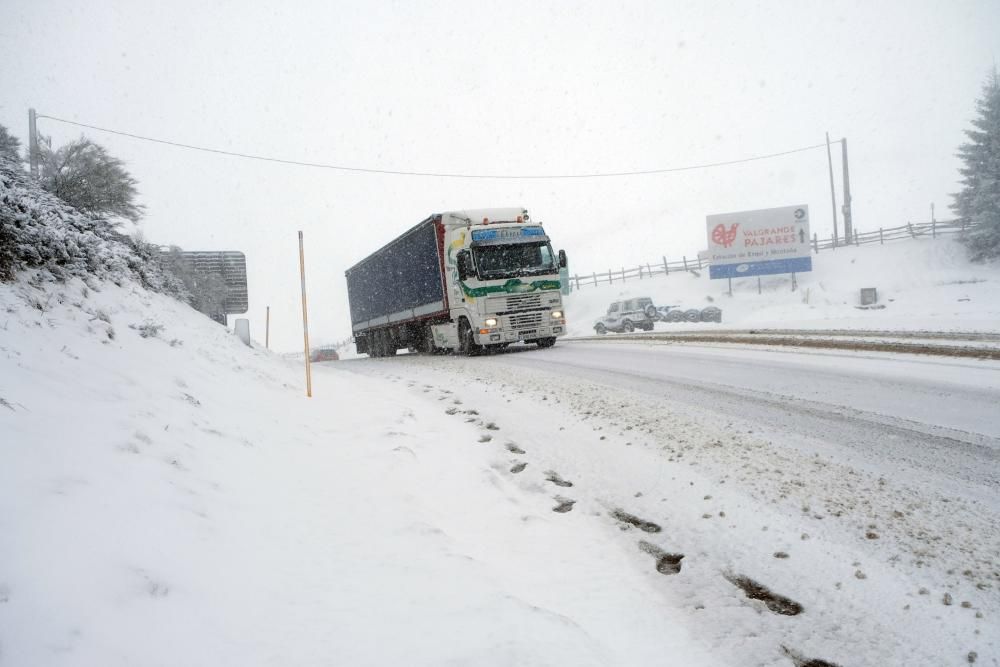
<point>168,496</point>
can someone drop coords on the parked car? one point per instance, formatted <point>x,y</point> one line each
<point>627,316</point>
<point>324,354</point>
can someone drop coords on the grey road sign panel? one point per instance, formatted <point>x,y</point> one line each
<point>231,265</point>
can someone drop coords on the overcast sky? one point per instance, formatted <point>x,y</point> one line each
<point>502,88</point>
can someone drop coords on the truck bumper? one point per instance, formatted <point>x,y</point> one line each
<point>498,336</point>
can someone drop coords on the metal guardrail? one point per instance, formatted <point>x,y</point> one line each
<point>933,229</point>
<point>809,339</point>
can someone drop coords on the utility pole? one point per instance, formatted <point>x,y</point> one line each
<point>848,225</point>
<point>833,194</point>
<point>32,143</point>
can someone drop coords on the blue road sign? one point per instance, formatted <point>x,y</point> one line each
<point>765,268</point>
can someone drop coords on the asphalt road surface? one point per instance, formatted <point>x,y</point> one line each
<point>921,413</point>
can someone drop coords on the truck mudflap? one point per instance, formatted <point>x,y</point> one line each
<point>445,335</point>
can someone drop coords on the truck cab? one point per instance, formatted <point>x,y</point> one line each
<point>502,281</point>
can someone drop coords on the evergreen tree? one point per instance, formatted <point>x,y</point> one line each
<point>979,200</point>
<point>10,146</point>
<point>85,176</point>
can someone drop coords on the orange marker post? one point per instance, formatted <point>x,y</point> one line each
<point>305,317</point>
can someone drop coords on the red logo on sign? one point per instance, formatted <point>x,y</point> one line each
<point>720,236</point>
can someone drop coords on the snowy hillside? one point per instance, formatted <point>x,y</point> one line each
<point>924,284</point>
<point>169,497</point>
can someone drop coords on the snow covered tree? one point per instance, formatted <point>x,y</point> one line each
<point>10,146</point>
<point>86,177</point>
<point>979,200</point>
<point>41,232</point>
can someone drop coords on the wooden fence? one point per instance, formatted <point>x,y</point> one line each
<point>932,229</point>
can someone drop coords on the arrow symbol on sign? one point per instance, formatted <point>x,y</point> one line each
<point>802,236</point>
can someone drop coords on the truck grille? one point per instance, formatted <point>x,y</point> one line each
<point>525,320</point>
<point>524,302</point>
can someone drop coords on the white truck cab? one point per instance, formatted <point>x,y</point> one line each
<point>502,281</point>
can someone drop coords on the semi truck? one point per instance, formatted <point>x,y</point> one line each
<point>461,281</point>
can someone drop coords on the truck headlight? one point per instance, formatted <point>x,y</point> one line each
<point>557,314</point>
<point>490,321</point>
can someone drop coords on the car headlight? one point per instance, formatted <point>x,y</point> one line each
<point>557,314</point>
<point>490,321</point>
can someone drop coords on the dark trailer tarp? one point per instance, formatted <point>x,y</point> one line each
<point>398,282</point>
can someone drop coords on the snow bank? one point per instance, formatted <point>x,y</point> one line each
<point>924,284</point>
<point>168,496</point>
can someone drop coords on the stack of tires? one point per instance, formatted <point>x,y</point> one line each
<point>709,314</point>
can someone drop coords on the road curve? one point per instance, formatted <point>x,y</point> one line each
<point>919,413</point>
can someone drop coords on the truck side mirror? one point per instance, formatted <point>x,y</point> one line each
<point>464,261</point>
<point>562,259</point>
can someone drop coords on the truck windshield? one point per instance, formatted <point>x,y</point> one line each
<point>514,260</point>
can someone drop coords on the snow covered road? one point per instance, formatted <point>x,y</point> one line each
<point>910,412</point>
<point>863,488</point>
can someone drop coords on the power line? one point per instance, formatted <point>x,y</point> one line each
<point>394,172</point>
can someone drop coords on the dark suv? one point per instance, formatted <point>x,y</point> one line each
<point>629,315</point>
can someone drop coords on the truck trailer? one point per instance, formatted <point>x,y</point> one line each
<point>462,281</point>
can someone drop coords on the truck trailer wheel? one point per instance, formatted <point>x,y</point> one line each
<point>428,346</point>
<point>388,343</point>
<point>375,347</point>
<point>382,344</point>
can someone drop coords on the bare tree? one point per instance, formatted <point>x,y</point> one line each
<point>84,175</point>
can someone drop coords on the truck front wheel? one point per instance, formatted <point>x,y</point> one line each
<point>546,342</point>
<point>466,339</point>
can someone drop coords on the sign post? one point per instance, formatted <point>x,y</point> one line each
<point>759,243</point>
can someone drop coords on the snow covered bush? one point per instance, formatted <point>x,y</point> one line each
<point>10,146</point>
<point>147,329</point>
<point>979,200</point>
<point>40,231</point>
<point>7,252</point>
